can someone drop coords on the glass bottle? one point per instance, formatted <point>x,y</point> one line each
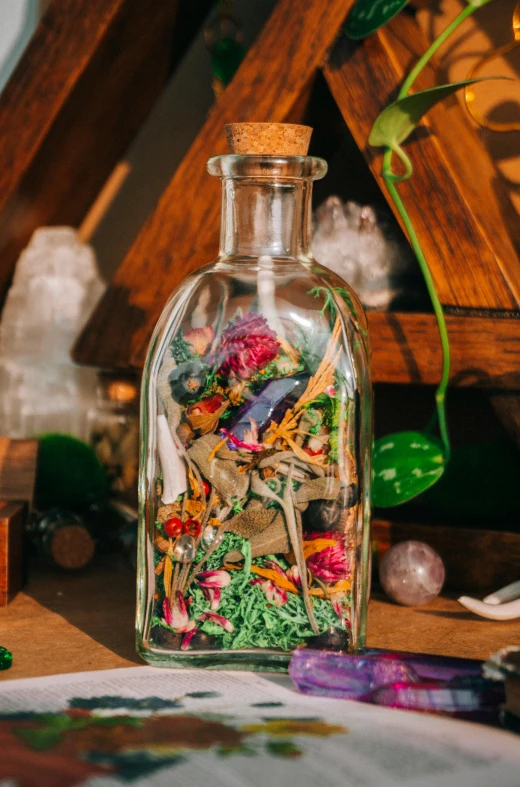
<point>256,431</point>
<point>113,432</point>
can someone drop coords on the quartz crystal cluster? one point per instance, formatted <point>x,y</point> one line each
<point>56,285</point>
<point>351,241</point>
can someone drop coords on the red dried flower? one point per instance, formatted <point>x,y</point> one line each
<point>247,344</point>
<point>330,565</point>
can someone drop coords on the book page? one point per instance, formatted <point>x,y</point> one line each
<point>197,728</point>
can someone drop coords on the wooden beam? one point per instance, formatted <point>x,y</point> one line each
<point>463,219</point>
<point>87,80</point>
<point>182,233</point>
<point>406,349</point>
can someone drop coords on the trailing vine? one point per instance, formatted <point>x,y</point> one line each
<point>408,463</point>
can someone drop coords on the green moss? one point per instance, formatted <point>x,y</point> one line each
<point>69,473</point>
<point>257,622</point>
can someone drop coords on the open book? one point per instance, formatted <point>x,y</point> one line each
<point>222,729</point>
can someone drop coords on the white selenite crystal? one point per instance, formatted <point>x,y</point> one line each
<point>350,241</point>
<point>55,287</point>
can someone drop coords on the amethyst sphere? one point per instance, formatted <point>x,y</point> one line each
<point>411,573</point>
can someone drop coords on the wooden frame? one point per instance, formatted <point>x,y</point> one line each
<point>87,80</point>
<point>461,222</point>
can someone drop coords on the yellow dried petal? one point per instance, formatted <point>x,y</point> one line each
<point>194,507</point>
<point>168,571</point>
<point>317,545</point>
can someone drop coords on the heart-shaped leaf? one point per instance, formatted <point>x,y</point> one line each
<point>405,464</point>
<point>397,121</point>
<point>366,16</point>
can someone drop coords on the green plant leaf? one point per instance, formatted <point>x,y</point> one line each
<point>397,121</point>
<point>405,464</point>
<point>367,16</point>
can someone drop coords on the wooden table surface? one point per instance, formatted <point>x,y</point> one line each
<point>85,621</point>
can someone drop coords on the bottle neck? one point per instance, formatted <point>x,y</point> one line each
<point>266,218</point>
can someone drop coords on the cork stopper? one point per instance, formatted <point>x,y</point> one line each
<point>268,139</point>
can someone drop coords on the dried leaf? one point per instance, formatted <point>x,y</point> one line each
<point>195,486</point>
<point>159,568</point>
<point>206,423</point>
<point>325,488</point>
<point>277,578</point>
<point>251,521</point>
<point>273,539</point>
<point>222,474</point>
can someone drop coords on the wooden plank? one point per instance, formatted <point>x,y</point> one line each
<point>406,349</point>
<point>476,561</point>
<point>90,615</point>
<point>454,199</point>
<point>12,523</point>
<point>87,80</point>
<point>18,461</point>
<point>182,233</point>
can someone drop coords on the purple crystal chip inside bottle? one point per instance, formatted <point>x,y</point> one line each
<point>268,404</point>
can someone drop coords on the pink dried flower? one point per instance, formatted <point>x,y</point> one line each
<point>186,640</point>
<point>328,534</point>
<point>219,619</point>
<point>214,579</point>
<point>240,443</point>
<point>256,581</point>
<point>246,345</point>
<point>200,338</point>
<point>329,565</point>
<point>176,615</point>
<point>213,596</point>
<point>294,575</point>
<point>275,594</point>
<point>167,612</point>
<point>211,582</point>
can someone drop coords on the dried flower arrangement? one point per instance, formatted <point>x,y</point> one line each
<point>250,551</point>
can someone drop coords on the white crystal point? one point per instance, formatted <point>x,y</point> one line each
<point>507,611</point>
<point>55,287</point>
<point>175,482</point>
<point>507,593</point>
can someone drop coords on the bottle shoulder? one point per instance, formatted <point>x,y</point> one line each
<point>294,298</point>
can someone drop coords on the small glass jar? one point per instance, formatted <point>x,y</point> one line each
<point>254,492</point>
<point>113,429</point>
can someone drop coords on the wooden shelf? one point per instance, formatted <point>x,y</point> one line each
<point>485,351</point>
<point>85,621</point>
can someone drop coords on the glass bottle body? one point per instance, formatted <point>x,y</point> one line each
<point>255,444</point>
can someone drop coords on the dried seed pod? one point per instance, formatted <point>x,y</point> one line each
<point>185,433</point>
<point>162,544</point>
<point>167,512</point>
<point>203,416</point>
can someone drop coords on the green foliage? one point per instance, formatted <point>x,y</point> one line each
<point>397,121</point>
<point>181,350</point>
<point>367,16</point>
<point>257,622</point>
<point>69,473</point>
<point>405,465</point>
